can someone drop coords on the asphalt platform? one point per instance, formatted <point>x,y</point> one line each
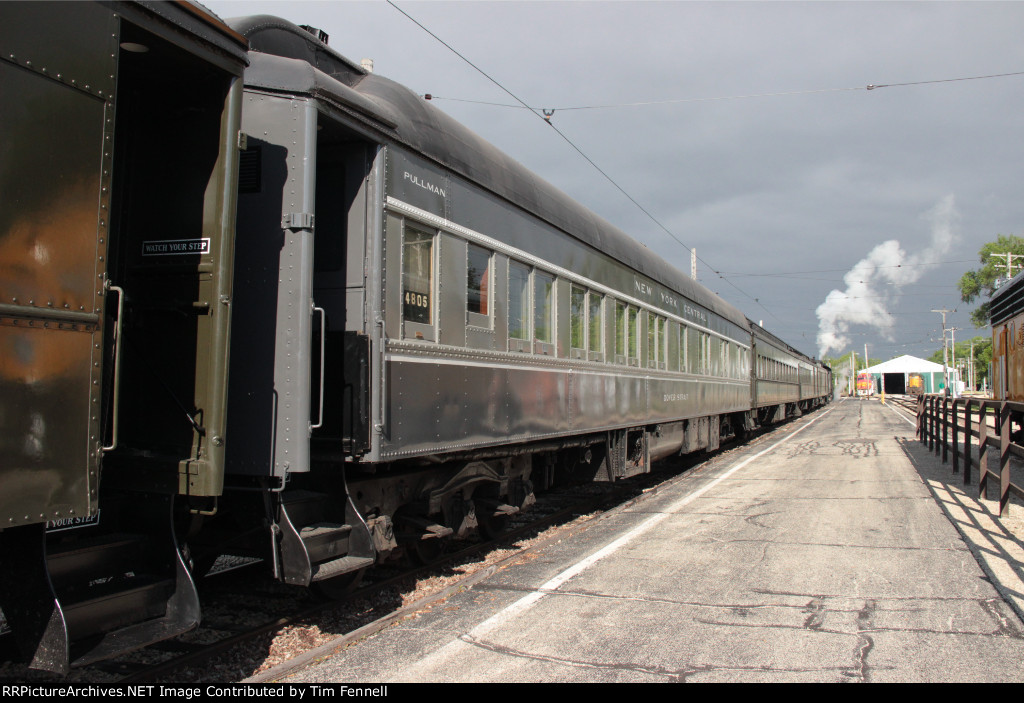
<point>835,549</point>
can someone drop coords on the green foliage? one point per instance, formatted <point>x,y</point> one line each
<point>843,362</point>
<point>982,281</point>
<point>982,356</point>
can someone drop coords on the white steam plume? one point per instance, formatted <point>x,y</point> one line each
<point>877,278</point>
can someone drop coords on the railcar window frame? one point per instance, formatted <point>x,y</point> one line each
<point>578,322</point>
<point>524,295</point>
<point>652,340</point>
<point>662,325</point>
<point>418,329</point>
<point>544,307</point>
<point>633,335</point>
<point>595,326</point>
<point>479,287</point>
<point>682,349</point>
<point>621,335</point>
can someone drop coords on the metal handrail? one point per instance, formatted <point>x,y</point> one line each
<point>323,337</point>
<point>115,404</point>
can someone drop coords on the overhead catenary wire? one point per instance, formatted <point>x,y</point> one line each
<point>549,112</point>
<point>546,115</point>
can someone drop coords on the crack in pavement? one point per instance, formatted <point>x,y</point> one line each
<point>675,675</point>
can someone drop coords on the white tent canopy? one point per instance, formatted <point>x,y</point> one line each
<point>905,364</point>
<point>892,376</point>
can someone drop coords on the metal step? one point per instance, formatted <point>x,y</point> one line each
<point>81,598</point>
<point>337,567</point>
<point>97,556</point>
<point>325,540</point>
<point>112,605</point>
<point>315,543</point>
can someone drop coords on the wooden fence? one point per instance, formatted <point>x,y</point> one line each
<point>950,425</point>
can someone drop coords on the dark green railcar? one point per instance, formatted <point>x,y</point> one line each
<point>119,174</point>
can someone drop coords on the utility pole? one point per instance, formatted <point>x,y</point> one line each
<point>952,351</point>
<point>945,367</point>
<point>853,373</point>
<point>1009,262</point>
<point>970,367</point>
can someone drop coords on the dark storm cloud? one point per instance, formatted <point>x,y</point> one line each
<point>806,185</point>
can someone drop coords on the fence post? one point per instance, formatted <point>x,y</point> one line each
<point>929,408</point>
<point>982,447</point>
<point>956,440</point>
<point>945,430</point>
<point>1004,459</point>
<point>968,443</point>
<point>920,418</point>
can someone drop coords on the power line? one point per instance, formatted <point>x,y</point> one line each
<point>845,270</point>
<point>645,103</point>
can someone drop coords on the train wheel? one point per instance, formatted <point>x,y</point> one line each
<point>424,551</point>
<point>491,526</point>
<point>338,587</point>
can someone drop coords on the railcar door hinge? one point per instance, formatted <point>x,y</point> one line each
<point>297,220</point>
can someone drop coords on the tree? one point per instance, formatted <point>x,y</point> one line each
<point>983,280</point>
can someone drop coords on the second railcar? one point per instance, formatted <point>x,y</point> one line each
<point>424,331</point>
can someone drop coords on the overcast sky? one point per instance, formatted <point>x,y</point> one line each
<point>784,195</point>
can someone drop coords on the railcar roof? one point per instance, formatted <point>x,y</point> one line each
<point>301,63</point>
<point>201,22</point>
<point>1008,300</point>
<point>764,334</point>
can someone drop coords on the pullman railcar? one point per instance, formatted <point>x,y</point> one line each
<point>118,175</point>
<point>422,332</point>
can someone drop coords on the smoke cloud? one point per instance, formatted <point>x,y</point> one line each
<point>877,279</point>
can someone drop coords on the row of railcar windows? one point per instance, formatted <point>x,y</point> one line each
<point>775,370</point>
<point>532,320</point>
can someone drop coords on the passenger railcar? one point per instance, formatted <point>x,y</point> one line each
<point>118,175</point>
<point>422,333</point>
<point>785,382</point>
<point>448,328</point>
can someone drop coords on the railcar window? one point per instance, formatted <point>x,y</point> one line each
<point>544,306</point>
<point>633,319</point>
<point>577,318</point>
<point>478,281</point>
<point>417,276</point>
<point>518,301</point>
<point>657,341</point>
<point>596,303</point>
<point>682,349</point>
<point>693,342</point>
<point>652,340</point>
<point>715,354</point>
<point>620,332</point>
<point>662,342</point>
